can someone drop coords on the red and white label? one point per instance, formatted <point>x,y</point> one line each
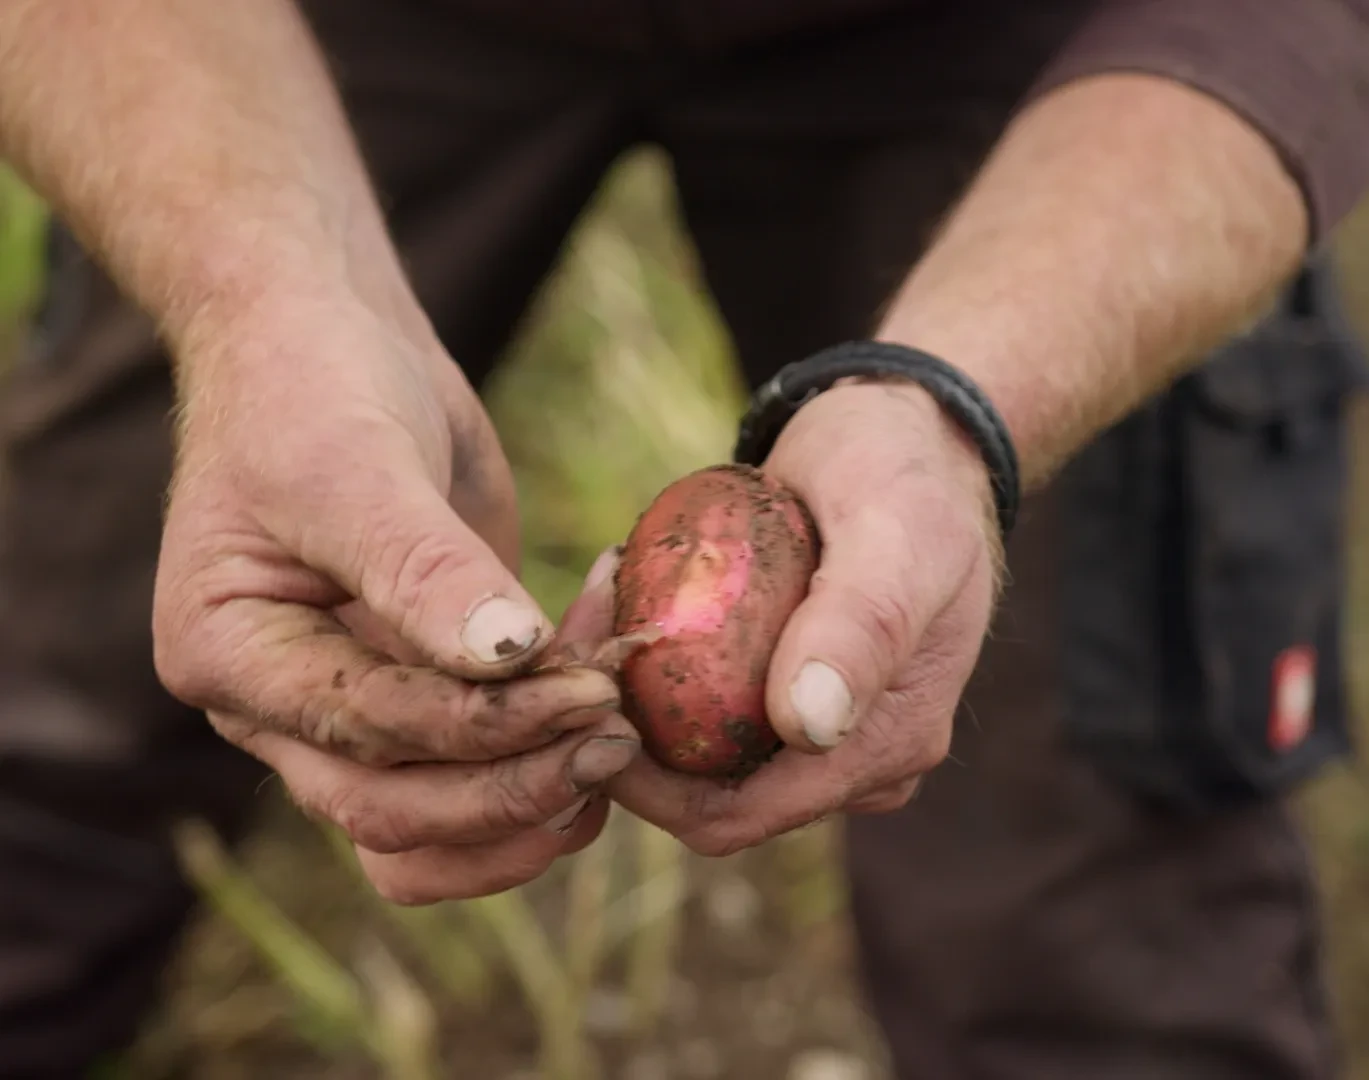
<point>1293,697</point>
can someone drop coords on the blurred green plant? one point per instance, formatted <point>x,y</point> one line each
<point>379,1008</point>
<point>23,238</point>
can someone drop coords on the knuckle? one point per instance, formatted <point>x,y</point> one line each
<point>403,891</point>
<point>720,841</point>
<point>337,726</point>
<point>182,662</point>
<point>896,802</point>
<point>502,878</point>
<point>906,794</point>
<point>709,805</point>
<point>325,723</point>
<point>511,802</point>
<point>888,619</point>
<point>931,743</point>
<point>405,886</point>
<point>937,748</point>
<point>234,729</point>
<point>412,567</point>
<point>911,734</point>
<point>483,727</point>
<point>889,799</point>
<point>374,824</point>
<point>178,673</point>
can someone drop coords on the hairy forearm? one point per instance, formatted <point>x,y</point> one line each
<point>1121,229</point>
<point>199,151</point>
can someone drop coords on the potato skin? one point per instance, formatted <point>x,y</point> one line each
<point>716,564</point>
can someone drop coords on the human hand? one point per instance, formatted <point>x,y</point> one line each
<point>869,669</point>
<point>337,590</point>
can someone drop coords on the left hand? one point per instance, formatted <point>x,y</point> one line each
<point>868,671</point>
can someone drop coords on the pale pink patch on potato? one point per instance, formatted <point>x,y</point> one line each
<point>713,580</point>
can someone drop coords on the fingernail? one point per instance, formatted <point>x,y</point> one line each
<point>563,821</point>
<point>499,629</point>
<point>603,568</point>
<point>823,702</point>
<point>600,759</point>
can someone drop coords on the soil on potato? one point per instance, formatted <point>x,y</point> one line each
<point>751,997</point>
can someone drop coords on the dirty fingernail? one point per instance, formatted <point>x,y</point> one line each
<point>823,703</point>
<point>603,568</point>
<point>600,759</point>
<point>563,821</point>
<point>499,629</point>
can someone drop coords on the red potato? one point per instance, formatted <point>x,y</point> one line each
<point>713,569</point>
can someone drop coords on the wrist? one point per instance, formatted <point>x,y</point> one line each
<point>290,352</point>
<point>1090,262</point>
<point>957,398</point>
<point>944,446</point>
<point>244,303</point>
<point>235,278</point>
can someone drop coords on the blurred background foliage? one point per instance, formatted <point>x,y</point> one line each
<point>632,959</point>
<point>23,230</point>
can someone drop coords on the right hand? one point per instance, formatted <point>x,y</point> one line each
<point>336,589</point>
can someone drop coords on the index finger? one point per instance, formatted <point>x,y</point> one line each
<point>589,618</point>
<point>296,670</point>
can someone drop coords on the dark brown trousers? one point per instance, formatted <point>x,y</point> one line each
<point>1021,919</point>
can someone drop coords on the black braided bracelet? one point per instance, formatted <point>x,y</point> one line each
<point>775,404</point>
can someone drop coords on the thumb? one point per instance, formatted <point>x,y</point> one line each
<point>900,510</point>
<point>874,594</point>
<point>425,573</point>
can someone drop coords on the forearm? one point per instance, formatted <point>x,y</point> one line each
<point>198,150</point>
<point>1122,228</point>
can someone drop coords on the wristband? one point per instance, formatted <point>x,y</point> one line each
<point>775,404</point>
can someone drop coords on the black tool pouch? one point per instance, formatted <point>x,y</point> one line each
<point>1203,592</point>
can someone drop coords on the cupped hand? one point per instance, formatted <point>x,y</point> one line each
<point>869,669</point>
<point>337,589</point>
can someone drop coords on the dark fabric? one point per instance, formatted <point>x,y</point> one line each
<point>1297,71</point>
<point>1222,505</point>
<point>1024,919</point>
